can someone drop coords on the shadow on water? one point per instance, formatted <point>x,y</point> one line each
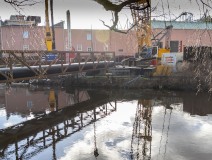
<point>53,120</point>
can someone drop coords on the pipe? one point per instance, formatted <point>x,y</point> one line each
<point>25,72</point>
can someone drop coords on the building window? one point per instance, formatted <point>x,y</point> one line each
<point>29,104</point>
<point>160,45</point>
<point>25,47</point>
<point>79,47</point>
<point>25,34</point>
<point>120,50</point>
<point>89,49</point>
<point>105,47</point>
<point>88,36</point>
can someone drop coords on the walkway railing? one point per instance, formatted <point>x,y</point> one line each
<point>21,65</point>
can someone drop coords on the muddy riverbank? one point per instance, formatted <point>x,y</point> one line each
<point>176,81</point>
<point>173,82</point>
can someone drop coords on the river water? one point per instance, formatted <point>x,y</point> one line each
<point>44,123</point>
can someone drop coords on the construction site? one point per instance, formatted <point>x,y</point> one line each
<point>162,51</point>
<point>114,93</point>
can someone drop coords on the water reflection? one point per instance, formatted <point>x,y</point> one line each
<point>121,124</point>
<point>19,141</point>
<point>21,103</point>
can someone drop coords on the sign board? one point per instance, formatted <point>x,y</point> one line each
<point>169,59</point>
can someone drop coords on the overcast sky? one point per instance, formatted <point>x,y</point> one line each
<point>173,8</point>
<point>84,13</point>
<point>87,13</point>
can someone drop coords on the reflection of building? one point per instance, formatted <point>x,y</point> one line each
<point>22,101</point>
<point>2,97</point>
<point>49,129</point>
<point>197,104</point>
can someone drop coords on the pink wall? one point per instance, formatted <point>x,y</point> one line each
<point>16,100</point>
<point>190,37</point>
<point>123,44</point>
<point>102,40</point>
<point>13,37</point>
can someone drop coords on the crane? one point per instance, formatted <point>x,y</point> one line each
<point>157,39</point>
<point>141,19</point>
<point>166,33</point>
<point>146,44</point>
<point>48,38</point>
<point>141,14</point>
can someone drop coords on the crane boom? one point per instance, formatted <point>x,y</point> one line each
<point>143,24</point>
<point>48,38</point>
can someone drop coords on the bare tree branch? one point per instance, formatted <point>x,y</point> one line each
<point>21,3</point>
<point>117,30</point>
<point>205,4</point>
<point>116,8</point>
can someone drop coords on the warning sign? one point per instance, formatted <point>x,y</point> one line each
<point>169,59</point>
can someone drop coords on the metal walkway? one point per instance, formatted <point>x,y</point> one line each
<point>16,65</point>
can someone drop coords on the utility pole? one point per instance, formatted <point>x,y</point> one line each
<point>69,29</point>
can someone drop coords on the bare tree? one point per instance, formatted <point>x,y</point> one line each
<point>21,3</point>
<point>117,6</point>
<point>109,5</point>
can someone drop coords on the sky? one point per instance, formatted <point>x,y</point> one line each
<point>173,8</point>
<point>86,14</point>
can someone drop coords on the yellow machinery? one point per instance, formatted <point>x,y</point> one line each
<point>165,33</point>
<point>142,21</point>
<point>141,141</point>
<point>48,38</point>
<point>52,99</point>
